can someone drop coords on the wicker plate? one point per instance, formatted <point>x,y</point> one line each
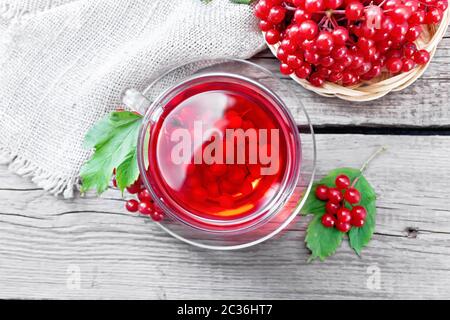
<point>385,83</point>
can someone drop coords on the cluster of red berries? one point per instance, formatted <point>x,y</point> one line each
<point>221,182</point>
<point>337,215</point>
<point>144,203</point>
<point>347,41</point>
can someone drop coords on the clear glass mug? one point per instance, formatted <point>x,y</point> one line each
<point>225,233</point>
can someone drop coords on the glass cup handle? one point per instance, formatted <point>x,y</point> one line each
<point>135,100</point>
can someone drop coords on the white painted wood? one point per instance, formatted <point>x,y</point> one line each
<point>425,103</point>
<point>126,256</point>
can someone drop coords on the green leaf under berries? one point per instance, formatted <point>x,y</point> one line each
<point>114,139</point>
<point>322,241</point>
<point>359,237</point>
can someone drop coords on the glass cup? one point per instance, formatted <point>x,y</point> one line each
<point>210,95</point>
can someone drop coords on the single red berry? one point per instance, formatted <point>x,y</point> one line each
<point>327,62</point>
<point>288,46</point>
<point>322,192</point>
<point>352,196</point>
<point>325,41</point>
<point>400,14</point>
<point>359,213</point>
<point>335,77</point>
<point>144,195</point>
<point>394,65</point>
<point>132,205</point>
<point>286,69</point>
<point>265,26</point>
<point>348,78</point>
<point>276,14</point>
<point>358,223</point>
<point>340,35</point>
<point>328,220</point>
<point>421,57</point>
<point>374,72</point>
<point>281,54</point>
<point>409,49</point>
<point>323,72</point>
<point>293,61</point>
<point>311,57</point>
<point>157,215</point>
<point>135,187</point>
<point>313,6</point>
<point>344,215</point>
<point>316,80</point>
<point>342,181</point>
<point>357,61</point>
<point>146,207</point>
<point>442,4</point>
<point>301,15</point>
<point>412,4</point>
<point>417,18</point>
<point>343,226</point>
<point>408,64</point>
<point>272,36</point>
<point>303,71</point>
<point>331,207</point>
<point>434,16</point>
<point>333,4</point>
<point>413,33</point>
<point>262,10</point>
<point>339,53</point>
<point>308,30</point>
<point>335,195</point>
<point>354,10</point>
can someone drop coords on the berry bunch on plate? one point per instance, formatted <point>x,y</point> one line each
<point>337,214</point>
<point>347,41</point>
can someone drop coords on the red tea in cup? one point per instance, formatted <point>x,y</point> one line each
<point>220,150</point>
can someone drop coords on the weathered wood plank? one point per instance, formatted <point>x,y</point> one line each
<point>424,104</point>
<point>124,256</point>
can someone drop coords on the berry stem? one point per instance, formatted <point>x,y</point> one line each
<point>373,156</point>
<point>288,7</point>
<point>333,22</point>
<point>367,162</point>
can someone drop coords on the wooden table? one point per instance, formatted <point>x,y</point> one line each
<point>45,243</point>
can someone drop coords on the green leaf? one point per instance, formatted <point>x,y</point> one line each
<point>114,139</point>
<point>360,237</point>
<point>322,241</point>
<point>128,172</point>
